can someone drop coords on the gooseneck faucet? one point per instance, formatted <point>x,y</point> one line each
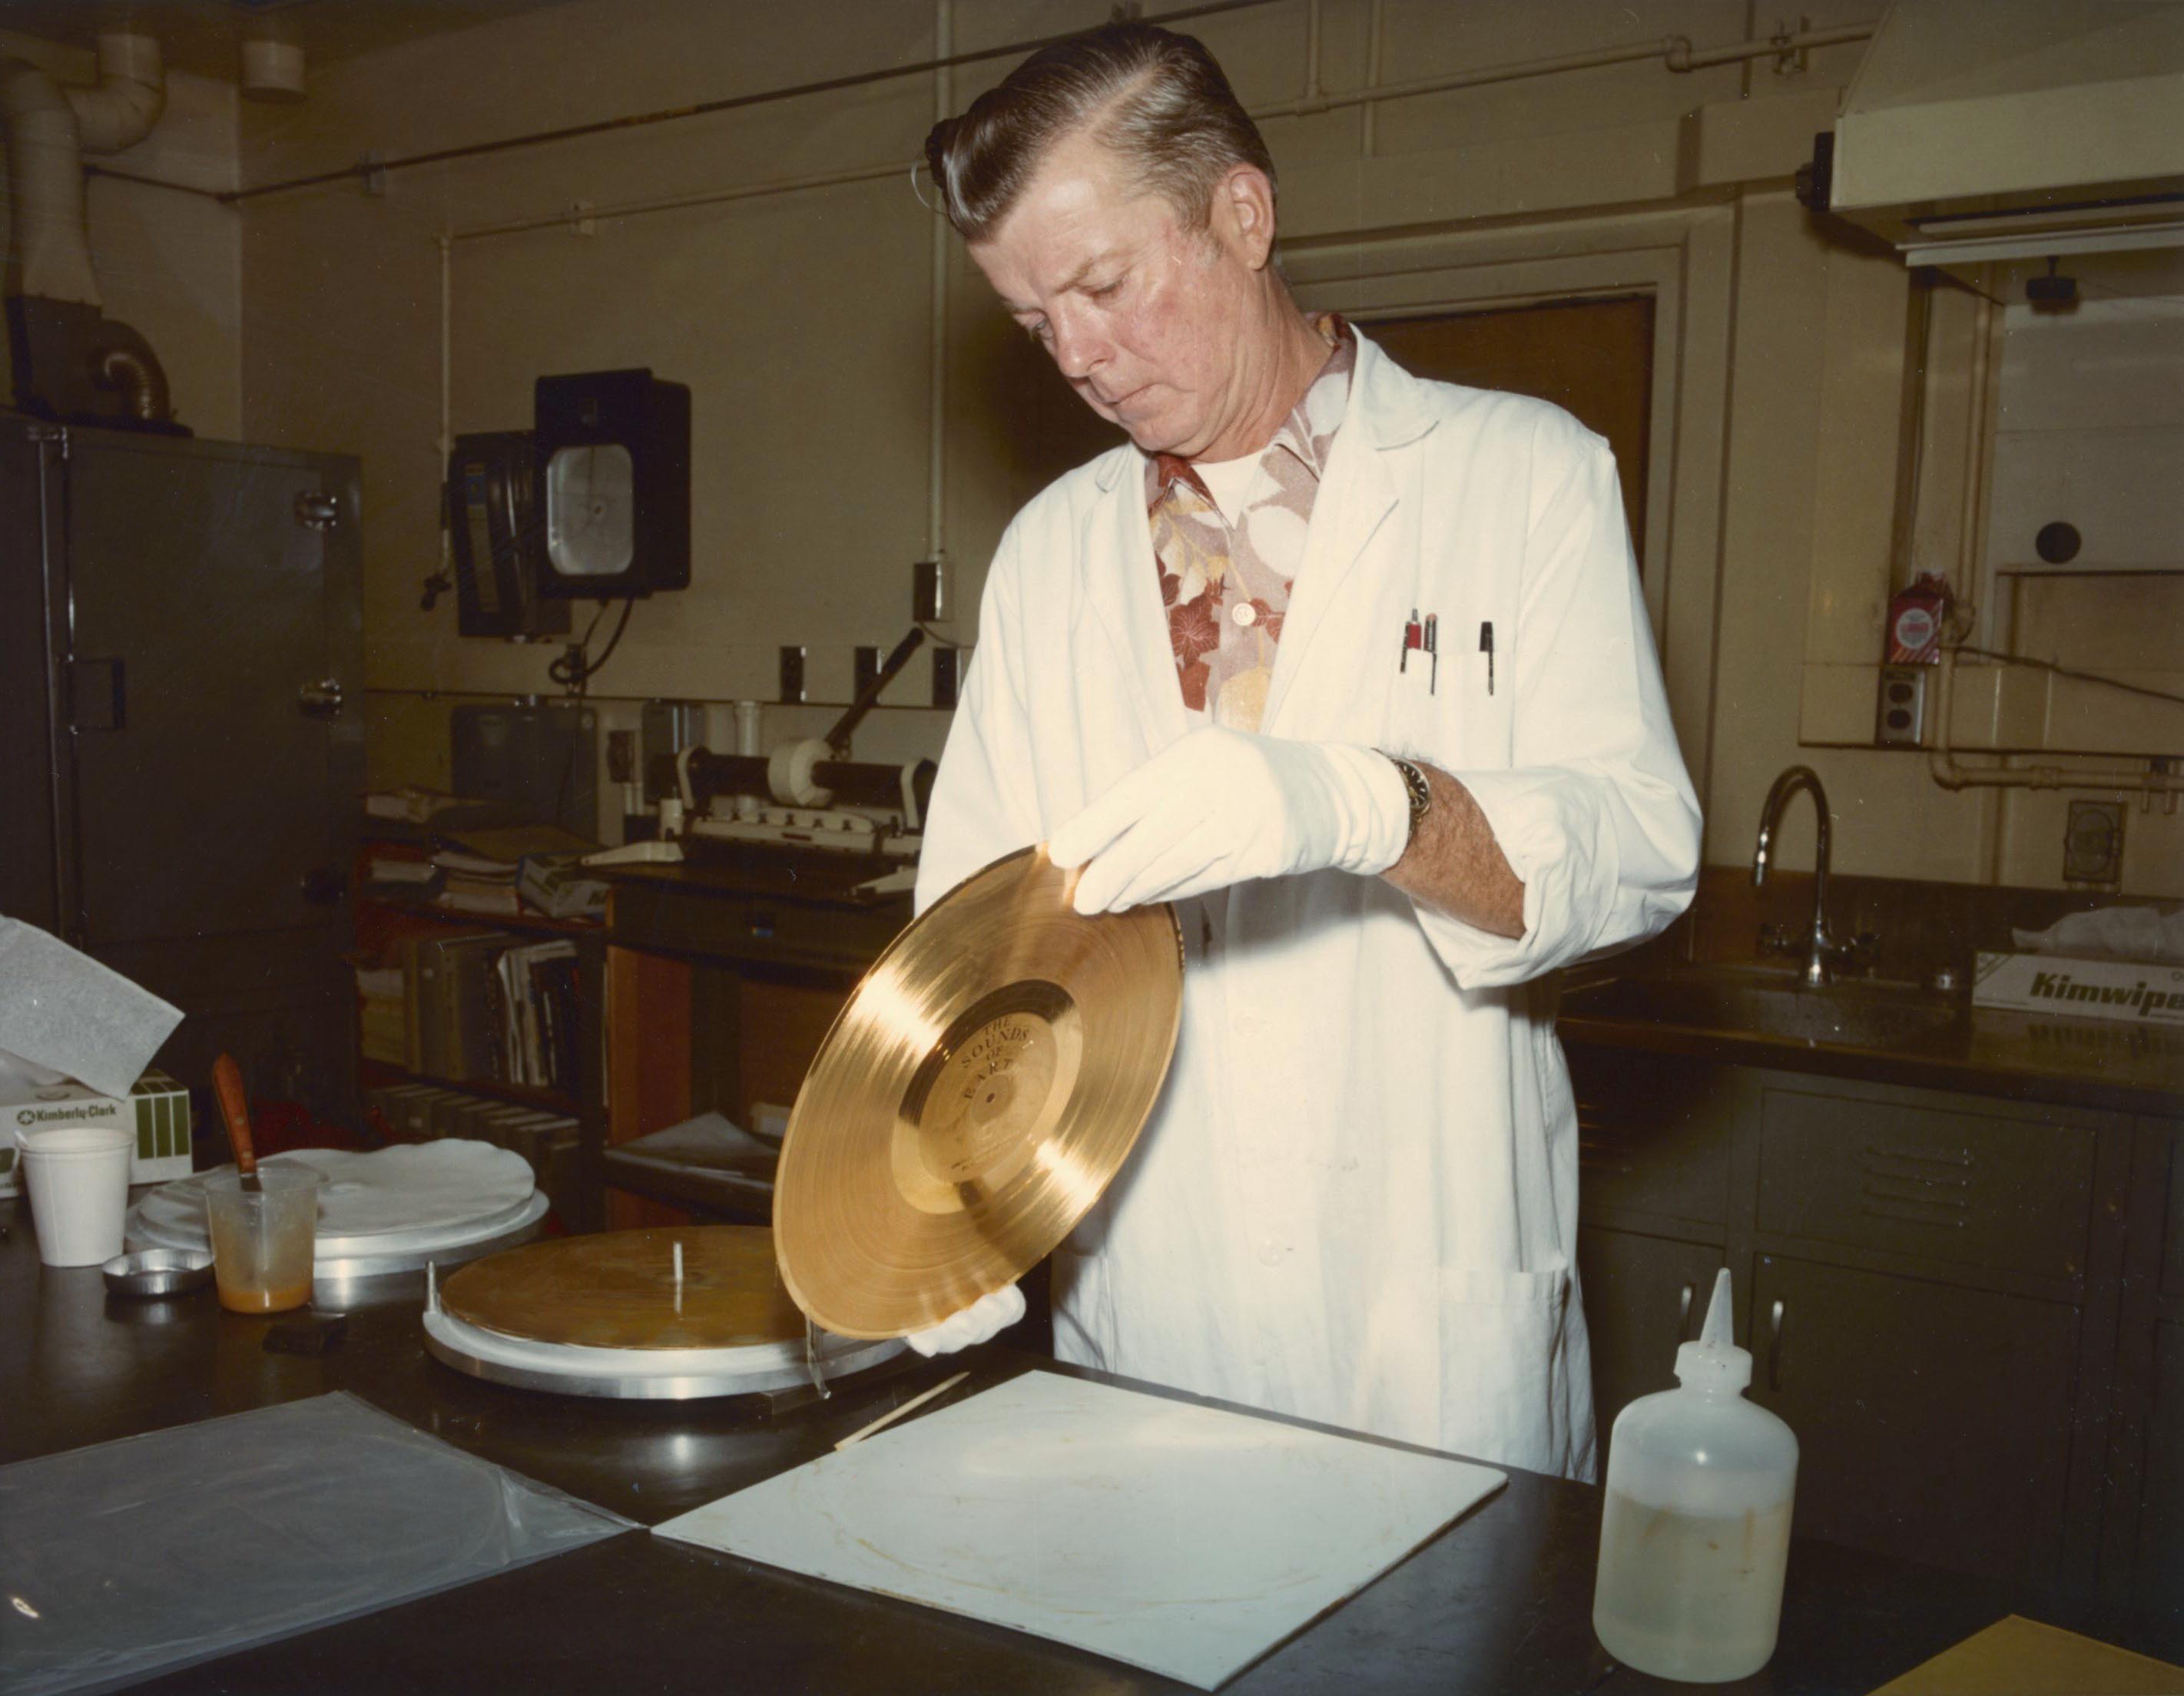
<point>1819,950</point>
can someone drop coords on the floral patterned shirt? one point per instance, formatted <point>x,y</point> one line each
<point>1227,587</point>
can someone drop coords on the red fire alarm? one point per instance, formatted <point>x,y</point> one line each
<point>1916,618</point>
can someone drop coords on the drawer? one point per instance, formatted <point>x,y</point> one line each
<point>1653,1135</point>
<point>2008,1194</point>
<point>755,928</point>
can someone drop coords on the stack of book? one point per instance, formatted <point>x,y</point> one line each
<point>385,1023</point>
<point>483,1006</point>
<point>402,877</point>
<point>498,872</point>
<point>475,883</point>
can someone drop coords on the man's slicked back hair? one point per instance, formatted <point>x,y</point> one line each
<point>1154,98</point>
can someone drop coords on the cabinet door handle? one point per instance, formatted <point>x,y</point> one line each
<point>1929,1157</point>
<point>1774,1348</point>
<point>1684,1313</point>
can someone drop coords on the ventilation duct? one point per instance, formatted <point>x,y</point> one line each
<point>71,362</point>
<point>1979,130</point>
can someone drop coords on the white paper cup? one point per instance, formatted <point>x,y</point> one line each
<point>78,1180</point>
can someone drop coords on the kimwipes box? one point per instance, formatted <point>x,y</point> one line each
<point>2085,988</point>
<point>156,1108</point>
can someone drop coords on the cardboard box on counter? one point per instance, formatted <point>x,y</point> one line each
<point>2083,988</point>
<point>156,1108</point>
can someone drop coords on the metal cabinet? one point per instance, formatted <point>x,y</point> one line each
<point>2145,1532</point>
<point>1935,1179</point>
<point>182,733</point>
<point>1931,1284</point>
<point>1932,1422</point>
<point>1652,1151</point>
<point>1656,1289</point>
<point>2159,1565</point>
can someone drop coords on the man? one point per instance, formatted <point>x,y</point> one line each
<point>1201,676</point>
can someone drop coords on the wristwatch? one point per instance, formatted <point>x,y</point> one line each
<point>1417,789</point>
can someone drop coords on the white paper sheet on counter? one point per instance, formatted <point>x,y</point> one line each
<point>1182,1539</point>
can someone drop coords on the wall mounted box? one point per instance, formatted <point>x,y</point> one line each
<point>614,474</point>
<point>496,537</point>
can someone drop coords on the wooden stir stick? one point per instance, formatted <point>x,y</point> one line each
<point>235,1107</point>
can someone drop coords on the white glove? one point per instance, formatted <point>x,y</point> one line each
<point>1218,807</point>
<point>993,1312</point>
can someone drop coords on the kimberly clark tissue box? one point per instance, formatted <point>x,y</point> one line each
<point>156,1108</point>
<point>2083,988</point>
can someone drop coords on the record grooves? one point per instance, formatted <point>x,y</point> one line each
<point>981,1088</point>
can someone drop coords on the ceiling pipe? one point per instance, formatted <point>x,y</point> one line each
<point>704,109</point>
<point>1951,774</point>
<point>48,129</point>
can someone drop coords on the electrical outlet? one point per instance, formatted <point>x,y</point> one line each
<point>621,756</point>
<point>2092,843</point>
<point>792,675</point>
<point>928,592</point>
<point>946,667</point>
<point>1902,721</point>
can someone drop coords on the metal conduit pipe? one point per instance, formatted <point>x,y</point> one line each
<point>1674,52</point>
<point>704,109</point>
<point>936,492</point>
<point>1952,775</point>
<point>1669,52</point>
<point>676,202</point>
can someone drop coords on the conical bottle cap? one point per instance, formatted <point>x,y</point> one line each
<point>1714,1362</point>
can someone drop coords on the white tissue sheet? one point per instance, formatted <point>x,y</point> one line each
<point>61,1008</point>
<point>415,1193</point>
<point>1186,1540</point>
<point>18,1075</point>
<point>2115,933</point>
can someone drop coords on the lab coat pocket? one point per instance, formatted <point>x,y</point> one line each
<point>1503,1363</point>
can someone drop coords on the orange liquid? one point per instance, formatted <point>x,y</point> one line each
<point>264,1301</point>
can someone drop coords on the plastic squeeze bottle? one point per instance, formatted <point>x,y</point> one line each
<point>1697,1532</point>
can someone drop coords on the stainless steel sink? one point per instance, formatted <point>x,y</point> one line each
<point>1755,1001</point>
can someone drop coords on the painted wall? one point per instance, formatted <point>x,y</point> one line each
<point>803,322</point>
<point>170,265</point>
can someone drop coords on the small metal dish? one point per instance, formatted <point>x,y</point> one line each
<point>159,1272</point>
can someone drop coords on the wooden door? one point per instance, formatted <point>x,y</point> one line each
<point>1594,358</point>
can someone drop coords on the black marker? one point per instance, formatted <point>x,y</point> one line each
<point>1486,647</point>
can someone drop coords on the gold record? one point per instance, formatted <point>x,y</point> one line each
<point>617,1290</point>
<point>973,1099</point>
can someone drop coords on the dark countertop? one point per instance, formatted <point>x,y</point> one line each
<point>1499,1603</point>
<point>2114,1065</point>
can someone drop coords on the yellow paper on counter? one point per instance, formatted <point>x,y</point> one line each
<point>2019,1657</point>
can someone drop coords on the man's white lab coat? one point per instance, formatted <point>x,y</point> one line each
<point>1356,1198</point>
